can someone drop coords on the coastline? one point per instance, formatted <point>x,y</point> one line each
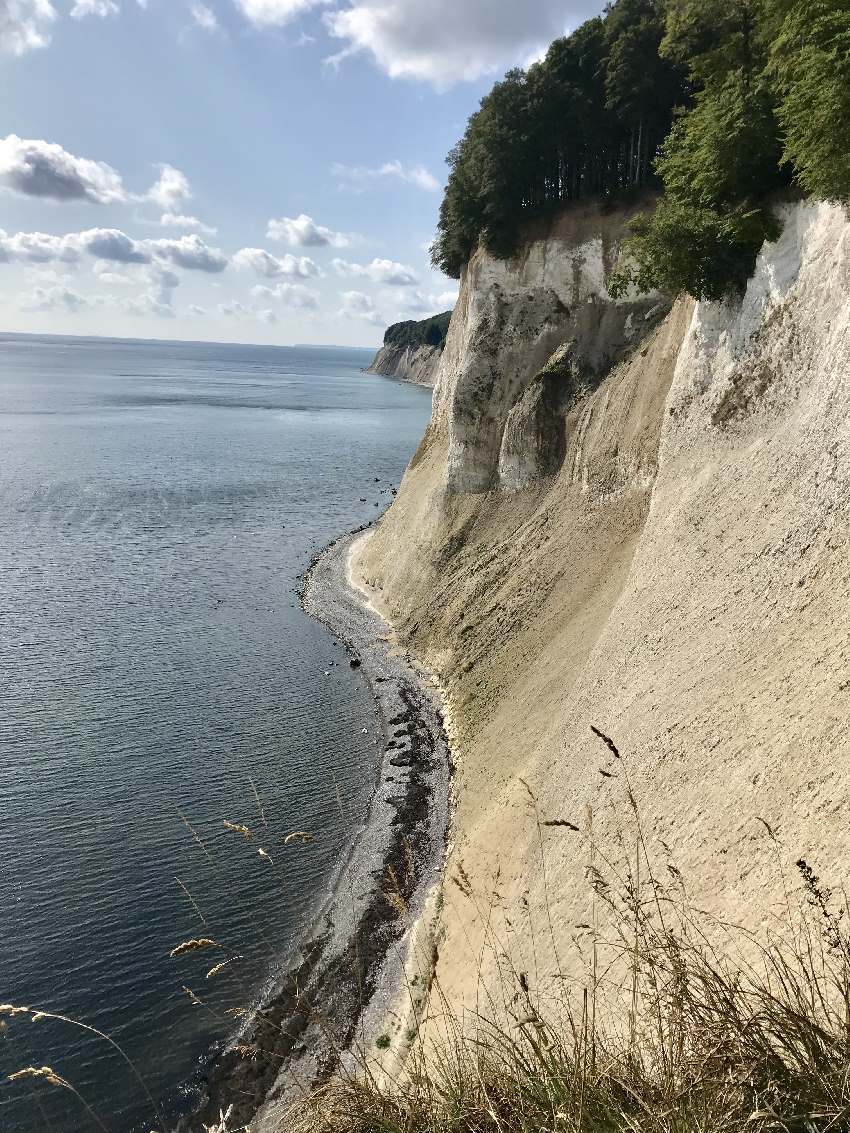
<point>371,942</point>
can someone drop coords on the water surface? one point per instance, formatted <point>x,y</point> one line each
<point>158,502</point>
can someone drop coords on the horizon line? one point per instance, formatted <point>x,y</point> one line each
<point>185,341</point>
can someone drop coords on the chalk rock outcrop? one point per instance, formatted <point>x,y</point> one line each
<point>647,531</point>
<point>417,364</point>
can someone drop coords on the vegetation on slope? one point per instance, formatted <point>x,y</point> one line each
<point>721,103</point>
<point>426,332</point>
<point>670,1022</point>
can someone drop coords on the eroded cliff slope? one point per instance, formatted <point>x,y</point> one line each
<point>417,364</point>
<point>633,517</point>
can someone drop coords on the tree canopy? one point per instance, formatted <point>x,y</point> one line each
<point>719,103</point>
<point>425,332</point>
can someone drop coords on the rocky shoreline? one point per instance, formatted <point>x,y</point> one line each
<point>351,968</point>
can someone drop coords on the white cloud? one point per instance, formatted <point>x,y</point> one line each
<point>204,16</point>
<point>236,310</point>
<point>361,175</point>
<point>179,220</point>
<point>265,264</point>
<point>146,305</point>
<point>53,299</point>
<point>36,168</point>
<point>356,305</point>
<point>171,190</point>
<point>113,245</point>
<point>100,8</point>
<point>196,310</point>
<point>303,232</point>
<point>106,273</point>
<point>294,295</point>
<point>188,252</point>
<point>275,13</point>
<point>24,25</point>
<point>417,302</point>
<point>159,298</point>
<point>37,248</point>
<point>444,42</point>
<point>378,271</point>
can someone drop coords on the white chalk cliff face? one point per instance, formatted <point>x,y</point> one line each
<point>494,390</point>
<point>418,365</point>
<point>637,519</point>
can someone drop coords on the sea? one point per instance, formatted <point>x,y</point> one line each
<point>160,503</point>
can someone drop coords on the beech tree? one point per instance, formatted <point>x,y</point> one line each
<point>721,103</point>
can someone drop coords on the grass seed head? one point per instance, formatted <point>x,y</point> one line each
<point>237,828</point>
<point>298,836</point>
<point>191,946</point>
<point>43,1072</point>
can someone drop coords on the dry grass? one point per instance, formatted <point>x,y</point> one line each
<point>686,1026</point>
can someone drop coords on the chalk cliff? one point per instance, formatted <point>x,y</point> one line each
<point>632,516</point>
<point>417,364</point>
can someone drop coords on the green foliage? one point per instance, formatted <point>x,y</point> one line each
<point>726,149</point>
<point>810,63</point>
<point>585,122</point>
<point>427,332</point>
<point>698,249</point>
<point>722,103</point>
<point>721,161</point>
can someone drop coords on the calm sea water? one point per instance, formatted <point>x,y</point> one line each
<point>157,505</point>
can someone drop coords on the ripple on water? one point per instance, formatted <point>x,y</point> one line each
<point>155,663</point>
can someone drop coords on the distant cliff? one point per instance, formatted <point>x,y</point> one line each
<point>412,350</point>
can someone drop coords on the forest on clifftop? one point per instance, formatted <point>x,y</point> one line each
<point>721,104</point>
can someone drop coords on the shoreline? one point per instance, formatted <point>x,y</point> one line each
<point>364,948</point>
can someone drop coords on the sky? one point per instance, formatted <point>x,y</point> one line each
<point>265,171</point>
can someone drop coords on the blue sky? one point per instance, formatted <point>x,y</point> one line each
<point>239,170</point>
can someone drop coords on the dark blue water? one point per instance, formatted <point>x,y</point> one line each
<point>157,505</point>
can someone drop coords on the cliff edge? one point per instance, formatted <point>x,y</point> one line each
<point>633,517</point>
<point>412,350</point>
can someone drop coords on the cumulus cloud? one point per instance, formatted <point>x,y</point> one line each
<point>179,220</point>
<point>294,295</point>
<point>196,310</point>
<point>233,309</point>
<point>37,248</point>
<point>431,303</point>
<point>236,310</point>
<point>106,273</point>
<point>275,13</point>
<point>357,305</point>
<point>24,25</point>
<point>171,190</point>
<point>36,168</point>
<point>158,300</point>
<point>113,245</point>
<point>378,271</point>
<point>110,244</point>
<point>265,264</point>
<point>303,232</point>
<point>53,299</point>
<point>100,8</point>
<point>204,16</point>
<point>444,42</point>
<point>361,175</point>
<point>189,252</point>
